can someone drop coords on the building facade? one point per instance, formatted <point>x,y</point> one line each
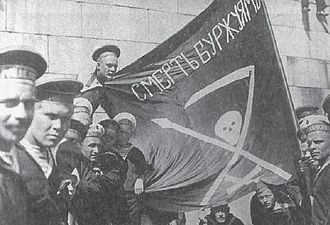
<point>67,31</point>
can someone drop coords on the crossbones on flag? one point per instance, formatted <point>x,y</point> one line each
<point>213,110</point>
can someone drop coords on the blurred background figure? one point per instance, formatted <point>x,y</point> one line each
<point>219,215</point>
<point>320,7</point>
<point>181,220</point>
<point>276,206</point>
<point>68,150</point>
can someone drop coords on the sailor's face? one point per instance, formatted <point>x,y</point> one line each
<point>16,111</point>
<point>266,198</point>
<point>319,145</point>
<point>50,123</point>
<point>107,65</point>
<point>92,147</point>
<point>306,153</point>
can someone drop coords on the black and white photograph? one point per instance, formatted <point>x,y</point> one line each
<point>164,112</point>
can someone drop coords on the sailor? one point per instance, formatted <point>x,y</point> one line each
<point>106,59</point>
<point>69,155</point>
<point>53,111</point>
<point>306,110</point>
<point>19,68</point>
<point>136,166</point>
<point>307,165</point>
<point>90,201</point>
<point>220,215</point>
<point>116,167</point>
<point>318,139</point>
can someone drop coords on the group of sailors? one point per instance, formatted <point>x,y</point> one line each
<point>56,167</point>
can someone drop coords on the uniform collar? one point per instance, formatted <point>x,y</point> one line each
<point>42,156</point>
<point>10,159</point>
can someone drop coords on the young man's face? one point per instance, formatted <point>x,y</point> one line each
<point>319,145</point>
<point>107,64</point>
<point>306,153</point>
<point>16,111</point>
<point>92,147</point>
<point>50,123</point>
<point>266,198</point>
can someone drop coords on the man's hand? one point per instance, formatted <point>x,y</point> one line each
<point>138,186</point>
<point>66,185</point>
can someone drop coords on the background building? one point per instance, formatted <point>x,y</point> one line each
<point>66,32</point>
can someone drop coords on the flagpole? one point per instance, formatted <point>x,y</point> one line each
<point>281,66</point>
<point>301,177</point>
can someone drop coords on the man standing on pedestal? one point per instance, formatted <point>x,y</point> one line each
<point>106,59</point>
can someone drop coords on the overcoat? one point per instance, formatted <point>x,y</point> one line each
<point>321,200</point>
<point>13,195</point>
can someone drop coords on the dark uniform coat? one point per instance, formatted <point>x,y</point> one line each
<point>321,192</point>
<point>95,93</point>
<point>99,196</point>
<point>136,168</point>
<point>13,196</point>
<point>46,206</point>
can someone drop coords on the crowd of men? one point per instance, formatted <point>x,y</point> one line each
<point>58,167</point>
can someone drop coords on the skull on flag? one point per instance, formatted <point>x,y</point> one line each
<point>228,127</point>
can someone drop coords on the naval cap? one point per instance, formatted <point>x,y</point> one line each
<point>58,89</point>
<point>261,186</point>
<point>76,130</point>
<point>313,123</point>
<point>306,110</point>
<point>22,58</point>
<point>82,111</point>
<point>121,117</point>
<point>223,208</point>
<point>110,124</point>
<point>107,48</point>
<point>95,130</point>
